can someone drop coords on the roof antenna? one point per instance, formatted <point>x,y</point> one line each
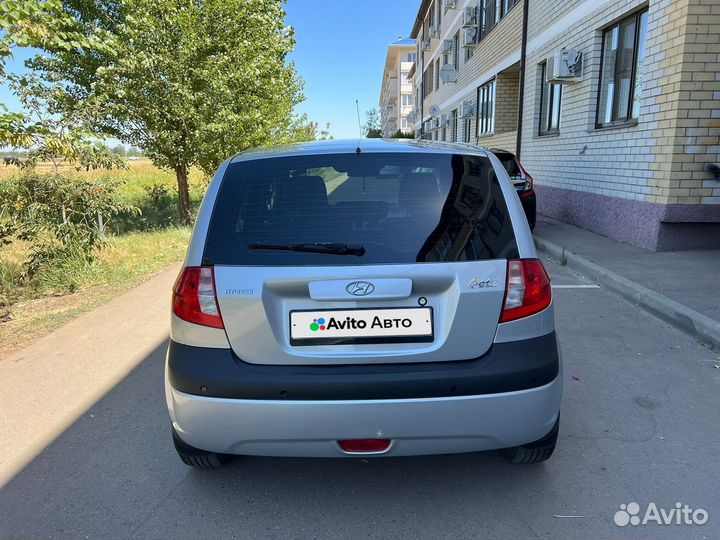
<point>357,107</point>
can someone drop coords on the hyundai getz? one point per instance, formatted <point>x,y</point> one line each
<point>370,298</point>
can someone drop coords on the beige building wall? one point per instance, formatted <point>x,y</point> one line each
<point>642,182</point>
<point>396,94</point>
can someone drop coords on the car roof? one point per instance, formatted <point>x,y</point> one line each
<point>349,146</point>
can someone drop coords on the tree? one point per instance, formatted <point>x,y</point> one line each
<point>372,128</point>
<point>399,134</point>
<point>40,130</point>
<point>190,83</point>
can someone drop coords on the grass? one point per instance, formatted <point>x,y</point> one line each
<point>137,247</point>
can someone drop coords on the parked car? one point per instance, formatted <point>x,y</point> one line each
<point>522,181</point>
<point>377,298</point>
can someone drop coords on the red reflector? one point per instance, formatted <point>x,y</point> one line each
<point>365,446</point>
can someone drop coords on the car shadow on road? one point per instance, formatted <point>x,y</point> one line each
<point>114,473</point>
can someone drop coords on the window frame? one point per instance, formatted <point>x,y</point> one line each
<point>547,129</point>
<point>628,118</point>
<point>456,51</point>
<point>437,74</point>
<point>454,125</point>
<point>481,105</point>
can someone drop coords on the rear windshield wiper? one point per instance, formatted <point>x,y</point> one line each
<point>314,247</point>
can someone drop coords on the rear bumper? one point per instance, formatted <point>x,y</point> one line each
<point>505,367</point>
<point>416,426</point>
<point>509,396</point>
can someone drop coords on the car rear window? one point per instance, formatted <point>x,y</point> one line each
<point>399,207</point>
<point>508,161</point>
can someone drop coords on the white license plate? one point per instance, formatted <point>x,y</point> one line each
<point>335,326</point>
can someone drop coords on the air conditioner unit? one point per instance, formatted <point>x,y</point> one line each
<point>467,109</point>
<point>564,67</point>
<point>447,45</point>
<point>470,37</point>
<point>434,31</point>
<point>426,44</point>
<point>470,16</point>
<point>450,4</point>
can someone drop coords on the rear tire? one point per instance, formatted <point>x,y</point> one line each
<point>534,452</point>
<point>199,459</point>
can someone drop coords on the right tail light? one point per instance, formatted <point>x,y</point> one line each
<point>527,290</point>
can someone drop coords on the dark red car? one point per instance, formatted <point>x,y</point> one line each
<point>522,181</point>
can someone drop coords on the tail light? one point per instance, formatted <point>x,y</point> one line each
<point>527,290</point>
<point>529,180</point>
<point>194,299</point>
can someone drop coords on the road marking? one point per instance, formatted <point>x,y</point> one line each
<point>576,286</point>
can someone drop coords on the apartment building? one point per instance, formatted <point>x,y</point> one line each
<point>396,95</point>
<point>612,105</point>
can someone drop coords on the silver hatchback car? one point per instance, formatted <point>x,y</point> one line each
<point>371,298</point>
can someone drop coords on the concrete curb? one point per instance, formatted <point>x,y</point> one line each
<point>701,327</point>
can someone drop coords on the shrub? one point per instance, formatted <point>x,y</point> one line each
<point>61,217</point>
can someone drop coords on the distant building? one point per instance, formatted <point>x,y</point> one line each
<point>620,137</point>
<point>396,96</point>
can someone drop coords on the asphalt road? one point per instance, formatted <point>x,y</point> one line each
<point>639,424</point>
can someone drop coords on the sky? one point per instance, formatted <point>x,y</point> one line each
<point>340,54</point>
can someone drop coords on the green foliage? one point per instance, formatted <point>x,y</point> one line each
<point>399,134</point>
<point>58,215</point>
<point>42,23</point>
<point>190,83</point>
<point>372,128</point>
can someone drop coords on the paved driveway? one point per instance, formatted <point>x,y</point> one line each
<point>639,423</point>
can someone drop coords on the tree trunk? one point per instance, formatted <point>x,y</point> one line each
<point>181,173</point>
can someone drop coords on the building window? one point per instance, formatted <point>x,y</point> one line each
<point>486,108</point>
<point>508,5</point>
<point>437,74</point>
<point>443,135</point>
<point>487,17</point>
<point>439,12</point>
<point>404,77</point>
<point>467,132</point>
<point>410,57</point>
<point>453,125</point>
<point>456,51</point>
<point>407,100</point>
<point>550,98</point>
<point>405,124</point>
<point>623,56</point>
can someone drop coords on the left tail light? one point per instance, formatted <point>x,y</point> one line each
<point>194,299</point>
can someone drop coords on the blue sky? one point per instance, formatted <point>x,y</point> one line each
<point>340,53</point>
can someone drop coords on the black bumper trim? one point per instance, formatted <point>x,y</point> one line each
<point>505,367</point>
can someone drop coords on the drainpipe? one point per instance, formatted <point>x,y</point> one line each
<point>422,73</point>
<point>521,93</point>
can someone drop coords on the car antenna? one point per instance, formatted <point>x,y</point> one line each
<point>357,107</point>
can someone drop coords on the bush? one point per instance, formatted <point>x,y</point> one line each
<point>61,217</point>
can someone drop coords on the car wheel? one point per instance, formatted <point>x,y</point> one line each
<point>534,452</point>
<point>200,459</point>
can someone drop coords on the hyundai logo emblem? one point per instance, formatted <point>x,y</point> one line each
<point>360,288</point>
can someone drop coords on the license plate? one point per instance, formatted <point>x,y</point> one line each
<point>347,326</point>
